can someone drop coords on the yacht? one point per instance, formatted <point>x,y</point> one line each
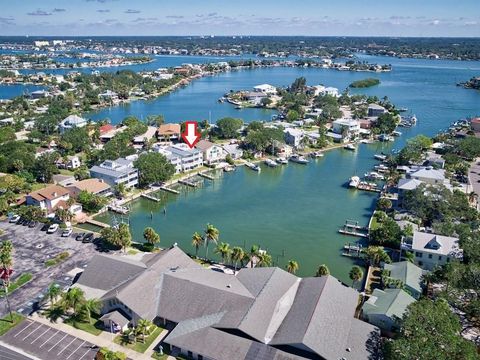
<point>281,160</point>
<point>373,175</point>
<point>350,147</point>
<point>253,166</point>
<point>354,181</point>
<point>298,159</point>
<point>271,163</point>
<point>381,157</point>
<point>229,168</point>
<point>396,133</point>
<point>316,154</point>
<point>352,247</point>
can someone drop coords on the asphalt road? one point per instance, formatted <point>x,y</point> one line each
<point>7,354</point>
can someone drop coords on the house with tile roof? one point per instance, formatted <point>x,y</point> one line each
<point>92,186</point>
<point>168,133</point>
<point>259,313</point>
<point>49,198</point>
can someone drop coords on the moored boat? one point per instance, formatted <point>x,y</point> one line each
<point>271,163</point>
<point>298,159</point>
<point>316,154</point>
<point>354,181</point>
<point>252,166</point>
<point>350,147</point>
<point>381,157</point>
<point>373,175</point>
<point>281,160</point>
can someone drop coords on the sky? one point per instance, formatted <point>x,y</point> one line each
<point>245,17</point>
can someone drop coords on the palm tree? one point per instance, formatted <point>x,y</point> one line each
<point>322,271</point>
<point>376,254</point>
<point>409,256</point>
<point>151,236</point>
<point>211,235</point>
<point>143,326</point>
<point>224,250</point>
<point>92,306</point>
<point>197,241</point>
<point>73,298</point>
<point>355,274</point>
<point>292,266</point>
<point>254,252</point>
<point>53,292</point>
<point>237,255</point>
<point>264,259</point>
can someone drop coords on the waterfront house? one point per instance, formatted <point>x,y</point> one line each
<point>409,274</point>
<point>212,153</point>
<point>348,128</point>
<point>266,89</point>
<point>108,95</point>
<point>428,175</point>
<point>71,122</point>
<point>108,135</point>
<point>70,162</point>
<point>181,156</point>
<point>375,110</point>
<point>168,133</point>
<point>322,90</point>
<point>106,128</point>
<point>39,94</point>
<point>141,140</point>
<point>293,136</point>
<point>433,250</point>
<point>234,150</point>
<point>385,307</point>
<point>93,186</point>
<point>404,186</point>
<point>114,172</point>
<point>49,198</point>
<point>259,313</point>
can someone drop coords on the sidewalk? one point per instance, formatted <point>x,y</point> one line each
<point>103,340</point>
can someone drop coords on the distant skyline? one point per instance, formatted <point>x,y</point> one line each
<point>247,17</point>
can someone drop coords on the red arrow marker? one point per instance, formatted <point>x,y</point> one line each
<point>191,135</point>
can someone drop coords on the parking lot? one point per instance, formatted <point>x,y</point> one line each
<point>47,343</point>
<point>32,247</point>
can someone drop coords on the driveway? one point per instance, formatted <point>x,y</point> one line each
<point>32,248</point>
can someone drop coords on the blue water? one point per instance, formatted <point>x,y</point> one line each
<point>11,91</point>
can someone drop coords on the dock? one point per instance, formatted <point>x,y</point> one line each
<point>352,233</point>
<point>188,183</point>
<point>150,197</point>
<point>366,187</point>
<point>352,228</point>
<point>96,223</point>
<point>206,176</point>
<point>173,191</point>
<point>119,209</point>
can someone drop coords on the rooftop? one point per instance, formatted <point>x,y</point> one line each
<point>51,192</point>
<point>169,129</point>
<point>389,302</point>
<point>91,185</point>
<point>409,273</point>
<point>436,244</point>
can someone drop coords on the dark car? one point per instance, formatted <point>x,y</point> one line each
<point>20,222</point>
<point>32,224</point>
<point>26,222</point>
<point>88,238</point>
<point>80,236</point>
<point>45,227</point>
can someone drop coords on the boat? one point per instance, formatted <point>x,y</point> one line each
<point>385,137</point>
<point>253,166</point>
<point>381,157</point>
<point>238,107</point>
<point>229,168</point>
<point>407,121</point>
<point>316,154</point>
<point>396,133</point>
<point>298,159</point>
<point>281,160</point>
<point>366,141</point>
<point>221,100</point>
<point>350,147</point>
<point>373,175</point>
<point>352,247</point>
<point>354,182</point>
<point>271,163</point>
<point>381,168</point>
<point>403,109</point>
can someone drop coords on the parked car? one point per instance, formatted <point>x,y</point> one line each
<point>25,222</point>
<point>88,238</point>
<point>20,221</point>
<point>32,224</point>
<point>14,219</point>
<point>67,232</point>
<point>53,228</point>
<point>80,236</point>
<point>45,227</point>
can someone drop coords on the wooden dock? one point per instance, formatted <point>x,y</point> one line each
<point>150,197</point>
<point>206,176</point>
<point>118,209</point>
<point>96,223</point>
<point>188,183</point>
<point>173,191</point>
<point>352,233</point>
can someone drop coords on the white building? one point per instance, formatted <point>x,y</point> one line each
<point>114,172</point>
<point>181,156</point>
<point>428,175</point>
<point>266,89</point>
<point>233,150</point>
<point>71,122</point>
<point>323,90</point>
<point>375,110</point>
<point>49,199</point>
<point>212,153</point>
<point>432,250</point>
<point>351,126</point>
<point>293,136</point>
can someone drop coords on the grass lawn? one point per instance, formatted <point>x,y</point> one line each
<point>6,324</point>
<point>57,259</point>
<point>374,223</point>
<point>66,172</point>
<point>94,327</point>
<point>139,346</point>
<point>38,186</point>
<point>20,281</point>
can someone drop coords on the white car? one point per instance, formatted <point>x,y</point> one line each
<point>67,232</point>
<point>53,228</point>
<point>14,219</point>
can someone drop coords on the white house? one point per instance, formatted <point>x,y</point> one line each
<point>432,250</point>
<point>351,126</point>
<point>71,122</point>
<point>114,172</point>
<point>428,175</point>
<point>375,110</point>
<point>293,136</point>
<point>212,153</point>
<point>49,198</point>
<point>266,89</point>
<point>233,150</point>
<point>181,156</point>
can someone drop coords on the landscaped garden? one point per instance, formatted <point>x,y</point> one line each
<point>140,337</point>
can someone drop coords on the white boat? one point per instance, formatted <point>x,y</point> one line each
<point>354,181</point>
<point>271,163</point>
<point>229,168</point>
<point>380,157</point>
<point>366,141</point>
<point>385,137</point>
<point>350,147</point>
<point>298,159</point>
<point>396,133</point>
<point>373,175</point>
<point>253,166</point>
<point>381,168</point>
<point>281,160</point>
<point>316,154</point>
<point>352,247</point>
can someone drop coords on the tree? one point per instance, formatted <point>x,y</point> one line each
<point>237,255</point>
<point>355,274</point>
<point>223,249</point>
<point>77,139</point>
<point>430,331</point>
<point>143,327</point>
<point>120,190</point>
<point>211,235</point>
<point>63,215</point>
<point>384,204</point>
<point>254,253</point>
<point>45,167</point>
<point>292,115</point>
<point>90,202</point>
<point>53,292</point>
<point>264,259</point>
<point>107,354</point>
<point>197,241</point>
<point>124,236</point>
<point>91,306</point>
<point>155,120</point>
<point>228,127</point>
<point>376,254</point>
<point>151,236</point>
<point>387,233</point>
<point>292,266</point>
<point>73,298</point>
<point>6,262</point>
<point>322,271</point>
<point>153,168</point>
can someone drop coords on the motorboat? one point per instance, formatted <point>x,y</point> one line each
<point>381,157</point>
<point>298,159</point>
<point>350,147</point>
<point>252,166</point>
<point>271,163</point>
<point>281,160</point>
<point>354,182</point>
<point>316,154</point>
<point>373,175</point>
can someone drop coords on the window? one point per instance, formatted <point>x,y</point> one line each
<point>439,257</point>
<point>430,256</point>
<point>448,259</point>
<point>418,254</point>
<point>190,354</point>
<point>200,357</point>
